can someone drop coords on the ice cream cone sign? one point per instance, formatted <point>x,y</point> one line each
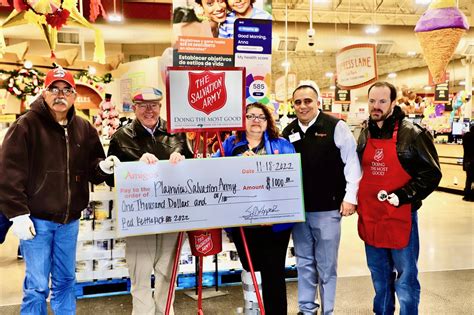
<point>439,31</point>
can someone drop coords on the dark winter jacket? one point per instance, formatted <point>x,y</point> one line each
<point>130,142</point>
<point>416,153</point>
<point>46,168</point>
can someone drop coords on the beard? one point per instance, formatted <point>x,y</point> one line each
<point>378,115</point>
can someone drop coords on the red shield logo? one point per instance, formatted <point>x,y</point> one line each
<point>203,243</point>
<point>378,156</point>
<point>207,91</point>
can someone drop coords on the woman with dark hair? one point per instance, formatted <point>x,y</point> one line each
<point>215,11</point>
<point>267,244</point>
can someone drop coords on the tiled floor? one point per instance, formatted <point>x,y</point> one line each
<point>447,244</point>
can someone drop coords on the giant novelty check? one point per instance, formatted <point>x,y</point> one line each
<point>208,193</point>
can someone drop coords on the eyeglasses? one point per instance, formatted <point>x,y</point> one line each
<point>256,118</point>
<point>66,91</point>
<point>145,106</point>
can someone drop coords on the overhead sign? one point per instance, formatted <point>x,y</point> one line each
<point>208,193</point>
<point>87,97</point>
<point>342,96</point>
<point>326,104</point>
<point>199,99</point>
<point>441,94</point>
<point>356,66</point>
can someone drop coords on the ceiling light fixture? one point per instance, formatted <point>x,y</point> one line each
<point>392,75</point>
<point>427,88</point>
<point>463,83</point>
<point>91,70</point>
<point>372,29</point>
<point>319,51</point>
<point>115,17</point>
<point>28,64</point>
<point>411,53</point>
<point>329,74</point>
<point>423,2</point>
<point>332,87</point>
<point>285,64</point>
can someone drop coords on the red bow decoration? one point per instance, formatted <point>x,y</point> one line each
<point>58,18</point>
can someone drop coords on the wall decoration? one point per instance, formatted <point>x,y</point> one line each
<point>96,82</point>
<point>23,82</point>
<point>49,16</point>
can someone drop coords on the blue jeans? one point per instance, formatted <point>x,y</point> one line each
<point>316,248</point>
<point>396,270</point>
<point>51,252</point>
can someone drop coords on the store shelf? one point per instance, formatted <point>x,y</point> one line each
<point>224,277</point>
<point>450,158</point>
<point>102,288</point>
<point>110,287</point>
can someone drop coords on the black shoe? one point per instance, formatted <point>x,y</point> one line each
<point>19,256</point>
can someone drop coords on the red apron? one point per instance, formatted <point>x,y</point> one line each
<point>381,224</point>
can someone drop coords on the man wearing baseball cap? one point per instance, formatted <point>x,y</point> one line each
<point>47,158</point>
<point>146,139</point>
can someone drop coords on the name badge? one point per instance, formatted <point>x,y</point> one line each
<point>295,137</point>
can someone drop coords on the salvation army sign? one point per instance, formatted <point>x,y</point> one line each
<point>207,91</point>
<point>356,66</point>
<point>199,99</point>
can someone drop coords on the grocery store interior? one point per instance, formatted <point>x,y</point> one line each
<point>137,34</point>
